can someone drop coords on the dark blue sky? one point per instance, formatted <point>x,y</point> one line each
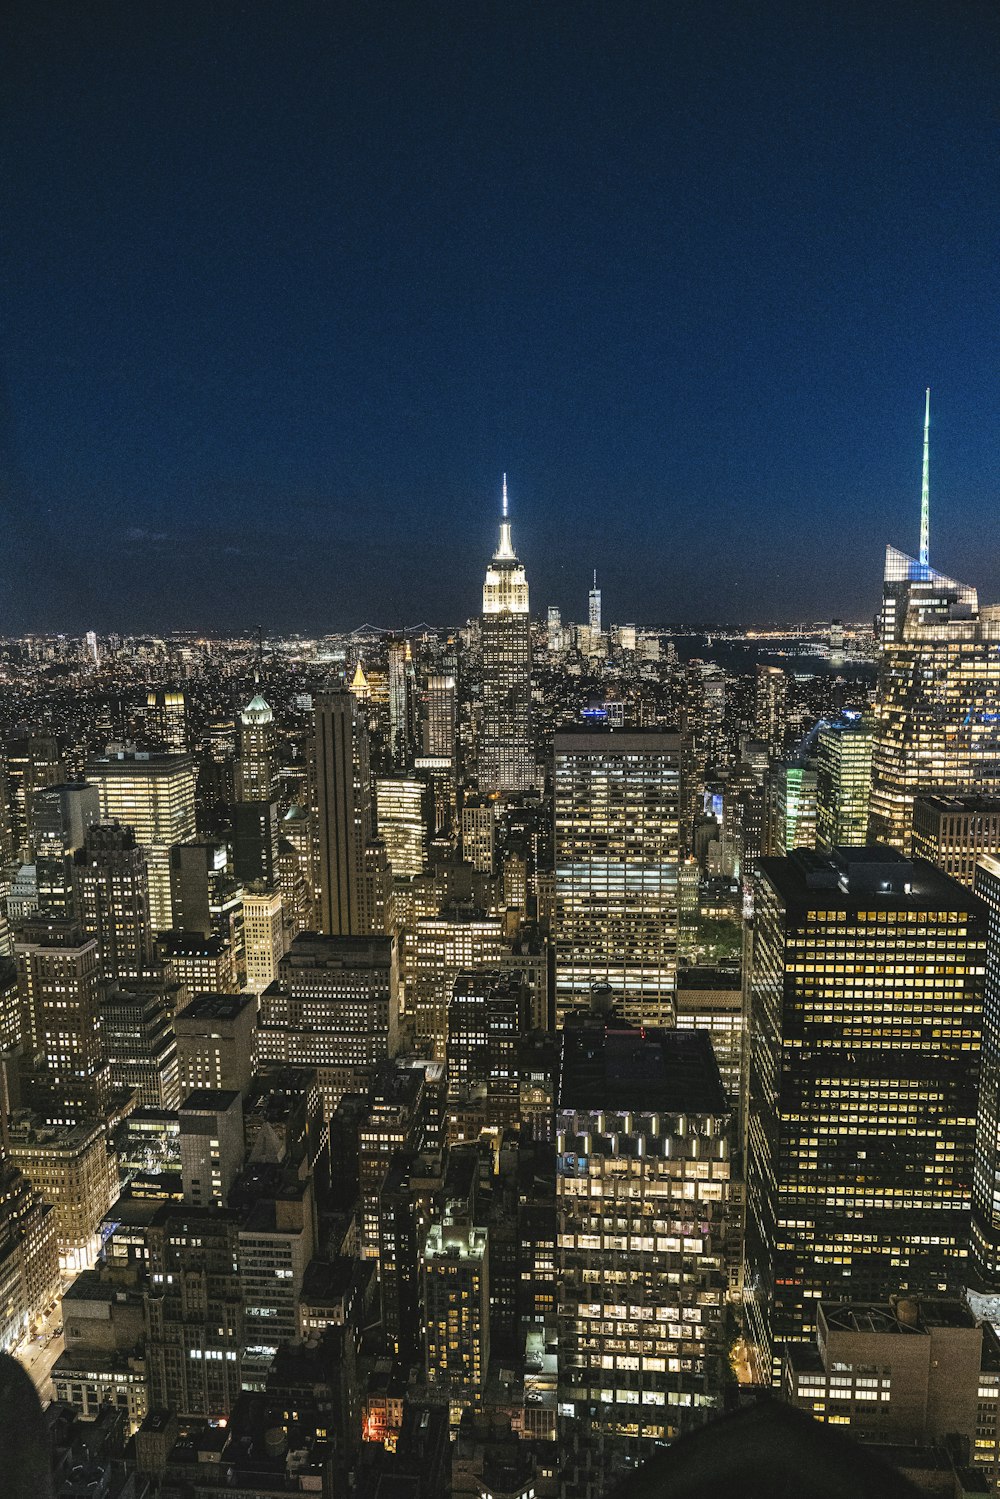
<point>286,286</point>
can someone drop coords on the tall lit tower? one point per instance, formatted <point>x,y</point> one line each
<point>256,774</point>
<point>343,807</point>
<point>936,724</point>
<point>594,603</point>
<point>505,758</point>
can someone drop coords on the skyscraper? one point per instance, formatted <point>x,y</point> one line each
<point>643,1148</point>
<point>335,1007</point>
<point>843,780</point>
<point>594,608</point>
<point>865,993</point>
<point>616,861</point>
<point>62,816</point>
<point>346,895</point>
<point>772,707</point>
<point>401,805</point>
<point>937,727</point>
<point>112,896</point>
<point>154,795</point>
<point>256,779</point>
<point>505,757</point>
<point>166,719</point>
<point>954,832</point>
<point>791,809</point>
<point>59,980</point>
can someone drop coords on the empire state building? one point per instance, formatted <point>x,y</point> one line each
<point>505,758</point>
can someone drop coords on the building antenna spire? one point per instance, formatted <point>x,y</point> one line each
<point>925,487</point>
<point>595,577</point>
<point>505,496</point>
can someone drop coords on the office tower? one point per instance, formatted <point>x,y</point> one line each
<point>771,722</point>
<point>346,878</point>
<point>912,1372</point>
<point>406,1211</point>
<point>396,1119</point>
<point>553,631</point>
<point>843,780</point>
<point>211,1138</point>
<point>791,810</point>
<point>256,775</point>
<point>479,832</point>
<point>195,1323</point>
<point>704,744</point>
<point>276,1244</point>
<point>62,815</point>
<point>70,1167</point>
<point>438,773</point>
<point>644,1138</point>
<point>440,717</point>
<point>201,965</point>
<point>594,608</point>
<point>616,860</point>
<point>335,1007</point>
<point>488,1014</point>
<point>140,1047</point>
<point>402,684</point>
<point>296,892</point>
<point>154,795</point>
<point>836,643</point>
<point>216,1042</point>
<point>505,760</point>
<point>742,830</point>
<point>196,871</point>
<point>255,837</point>
<point>32,763</point>
<point>112,899</point>
<point>864,994</point>
<point>955,832</point>
<point>455,1280</point>
<point>456,940</point>
<point>711,999</point>
<point>401,812</point>
<point>264,936</point>
<point>283,1113</point>
<point>58,974</point>
<point>29,1259</point>
<point>986,1176</point>
<point>936,727</point>
<point>166,720</point>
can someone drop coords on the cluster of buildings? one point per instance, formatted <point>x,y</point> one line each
<point>507,1052</point>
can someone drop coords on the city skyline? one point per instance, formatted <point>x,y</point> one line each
<point>283,300</point>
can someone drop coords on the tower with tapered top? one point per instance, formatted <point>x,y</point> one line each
<point>937,727</point>
<point>505,759</point>
<point>594,608</point>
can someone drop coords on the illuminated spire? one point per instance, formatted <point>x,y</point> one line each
<point>925,487</point>
<point>595,577</point>
<point>505,551</point>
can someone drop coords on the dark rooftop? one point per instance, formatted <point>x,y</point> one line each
<point>208,1101</point>
<point>873,878</point>
<point>615,1066</point>
<point>216,1007</point>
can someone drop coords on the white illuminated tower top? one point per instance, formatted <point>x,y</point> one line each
<point>506,588</point>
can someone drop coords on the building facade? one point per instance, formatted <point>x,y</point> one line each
<point>864,995</point>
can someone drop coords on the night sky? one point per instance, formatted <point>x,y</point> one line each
<point>286,287</point>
